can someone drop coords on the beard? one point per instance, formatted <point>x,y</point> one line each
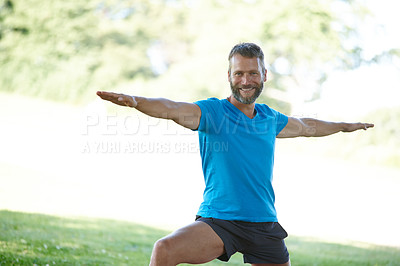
<point>247,100</point>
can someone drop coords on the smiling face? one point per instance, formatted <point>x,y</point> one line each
<point>246,78</point>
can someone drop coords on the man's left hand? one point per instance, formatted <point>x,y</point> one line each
<point>350,127</point>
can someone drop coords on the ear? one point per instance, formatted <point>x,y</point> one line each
<point>265,75</point>
<point>229,75</point>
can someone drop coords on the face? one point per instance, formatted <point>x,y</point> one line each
<point>246,78</point>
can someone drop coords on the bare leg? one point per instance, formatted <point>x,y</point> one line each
<point>195,243</point>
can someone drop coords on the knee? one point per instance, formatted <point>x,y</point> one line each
<point>162,246</point>
<point>162,252</point>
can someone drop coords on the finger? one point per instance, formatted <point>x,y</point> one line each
<point>117,98</point>
<point>100,94</point>
<point>106,95</point>
<point>367,125</point>
<point>110,96</point>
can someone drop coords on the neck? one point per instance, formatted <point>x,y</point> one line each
<point>247,109</point>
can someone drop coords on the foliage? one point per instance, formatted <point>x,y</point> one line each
<point>27,239</point>
<point>66,50</point>
<point>385,138</point>
<point>378,146</point>
<point>67,46</point>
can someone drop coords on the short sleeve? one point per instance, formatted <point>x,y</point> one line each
<point>208,110</point>
<point>281,122</point>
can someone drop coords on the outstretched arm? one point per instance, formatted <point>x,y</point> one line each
<point>310,127</point>
<point>185,114</point>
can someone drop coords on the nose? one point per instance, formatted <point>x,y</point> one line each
<point>245,79</point>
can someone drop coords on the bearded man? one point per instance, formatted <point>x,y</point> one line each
<point>238,212</point>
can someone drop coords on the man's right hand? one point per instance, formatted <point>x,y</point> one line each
<point>118,98</point>
<point>185,114</point>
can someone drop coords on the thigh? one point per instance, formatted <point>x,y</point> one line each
<point>195,243</point>
<point>267,245</point>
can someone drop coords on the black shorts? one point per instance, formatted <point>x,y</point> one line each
<point>258,242</point>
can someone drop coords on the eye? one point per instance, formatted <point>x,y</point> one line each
<point>238,74</point>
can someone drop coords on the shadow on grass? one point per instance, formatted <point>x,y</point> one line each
<point>27,239</point>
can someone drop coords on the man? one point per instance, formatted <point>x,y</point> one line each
<point>238,212</point>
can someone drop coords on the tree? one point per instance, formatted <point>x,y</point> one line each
<point>65,50</point>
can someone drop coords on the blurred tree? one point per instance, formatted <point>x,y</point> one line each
<point>65,50</point>
<point>71,47</point>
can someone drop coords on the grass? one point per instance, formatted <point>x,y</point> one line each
<point>28,239</point>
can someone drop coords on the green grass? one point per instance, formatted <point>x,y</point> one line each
<point>28,239</point>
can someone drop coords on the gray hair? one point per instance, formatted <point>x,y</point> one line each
<point>249,50</point>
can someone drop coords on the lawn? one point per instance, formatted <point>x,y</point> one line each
<point>28,239</point>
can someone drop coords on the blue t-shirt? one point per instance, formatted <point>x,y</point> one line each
<point>237,157</point>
